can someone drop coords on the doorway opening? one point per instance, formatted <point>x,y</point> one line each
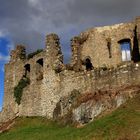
<point>39,69</point>
<point>88,64</point>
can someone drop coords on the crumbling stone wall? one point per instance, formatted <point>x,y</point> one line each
<point>96,46</point>
<point>50,79</point>
<point>76,46</point>
<point>18,53</point>
<point>101,44</point>
<point>13,73</point>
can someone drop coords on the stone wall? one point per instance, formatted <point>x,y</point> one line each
<point>102,44</point>
<point>96,45</point>
<point>50,79</point>
<point>40,98</point>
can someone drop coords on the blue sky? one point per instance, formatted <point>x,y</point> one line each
<point>5,47</point>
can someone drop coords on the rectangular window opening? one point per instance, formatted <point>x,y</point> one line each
<point>126,51</point>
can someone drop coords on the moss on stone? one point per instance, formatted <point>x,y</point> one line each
<point>31,55</point>
<point>18,90</point>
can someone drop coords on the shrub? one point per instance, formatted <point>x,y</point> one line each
<point>31,55</point>
<point>18,90</point>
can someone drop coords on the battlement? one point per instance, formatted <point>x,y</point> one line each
<point>18,53</point>
<point>52,40</point>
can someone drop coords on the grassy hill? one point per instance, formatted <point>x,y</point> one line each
<point>122,124</point>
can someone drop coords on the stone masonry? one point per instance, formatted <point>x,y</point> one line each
<point>97,63</point>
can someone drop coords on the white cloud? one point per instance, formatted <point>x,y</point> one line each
<point>34,3</point>
<point>2,69</point>
<point>0,108</point>
<point>4,57</point>
<point>10,47</point>
<point>1,34</point>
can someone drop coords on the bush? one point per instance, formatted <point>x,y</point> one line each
<point>18,90</point>
<point>31,55</point>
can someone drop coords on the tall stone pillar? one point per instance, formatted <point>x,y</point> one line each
<point>53,50</point>
<point>76,53</point>
<point>53,65</point>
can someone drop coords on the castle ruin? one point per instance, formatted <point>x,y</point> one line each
<point>102,58</point>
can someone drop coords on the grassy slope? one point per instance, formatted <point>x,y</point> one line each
<point>122,124</point>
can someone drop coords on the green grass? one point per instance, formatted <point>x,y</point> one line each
<point>122,124</point>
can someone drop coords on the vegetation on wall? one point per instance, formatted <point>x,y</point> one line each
<point>18,90</point>
<point>31,55</point>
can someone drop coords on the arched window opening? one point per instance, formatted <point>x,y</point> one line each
<point>39,69</point>
<point>40,62</point>
<point>88,64</point>
<point>27,70</point>
<point>125,49</point>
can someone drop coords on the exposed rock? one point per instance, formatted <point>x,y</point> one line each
<point>87,106</point>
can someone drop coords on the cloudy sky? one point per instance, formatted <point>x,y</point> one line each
<point>28,21</point>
